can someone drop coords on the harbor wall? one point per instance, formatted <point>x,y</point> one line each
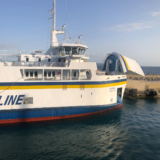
<point>144,83</point>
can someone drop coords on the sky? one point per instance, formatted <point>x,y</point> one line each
<point>128,27</point>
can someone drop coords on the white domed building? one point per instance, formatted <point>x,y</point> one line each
<point>118,63</point>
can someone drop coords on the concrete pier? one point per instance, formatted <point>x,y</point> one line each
<point>143,85</point>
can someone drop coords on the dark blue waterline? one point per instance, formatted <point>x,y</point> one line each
<point>52,111</point>
<point>59,83</point>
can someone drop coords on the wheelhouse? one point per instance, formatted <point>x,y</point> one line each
<point>63,51</point>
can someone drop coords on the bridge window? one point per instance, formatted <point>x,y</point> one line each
<point>75,51</point>
<point>68,50</point>
<point>27,59</point>
<point>39,60</point>
<point>71,51</point>
<point>61,51</point>
<point>49,60</point>
<point>81,51</point>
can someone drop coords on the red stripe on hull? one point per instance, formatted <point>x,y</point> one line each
<point>52,118</point>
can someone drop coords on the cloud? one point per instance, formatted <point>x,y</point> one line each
<point>155,14</point>
<point>131,27</point>
<point>8,46</point>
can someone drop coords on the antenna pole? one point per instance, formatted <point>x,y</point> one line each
<point>54,15</point>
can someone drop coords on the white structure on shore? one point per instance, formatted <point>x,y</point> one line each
<point>119,63</point>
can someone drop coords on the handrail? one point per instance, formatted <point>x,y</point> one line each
<point>69,41</point>
<point>58,78</point>
<point>32,64</point>
<point>17,52</point>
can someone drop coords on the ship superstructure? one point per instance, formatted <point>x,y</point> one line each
<point>57,84</point>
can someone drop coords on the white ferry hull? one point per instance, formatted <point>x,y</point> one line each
<point>57,100</point>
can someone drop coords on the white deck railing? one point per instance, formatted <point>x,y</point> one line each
<point>57,78</point>
<point>70,41</point>
<point>34,64</point>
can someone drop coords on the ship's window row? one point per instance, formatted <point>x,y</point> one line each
<point>58,75</point>
<point>71,51</point>
<point>31,74</point>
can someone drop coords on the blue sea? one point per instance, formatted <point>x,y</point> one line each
<point>129,133</point>
<point>146,70</point>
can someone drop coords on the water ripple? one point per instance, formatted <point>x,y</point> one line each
<point>132,132</point>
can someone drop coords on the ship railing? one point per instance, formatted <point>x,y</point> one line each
<point>33,64</point>
<point>59,64</point>
<point>57,78</point>
<point>69,41</point>
<point>33,79</point>
<point>70,78</point>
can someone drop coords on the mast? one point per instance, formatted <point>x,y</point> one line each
<point>54,15</point>
<point>54,32</point>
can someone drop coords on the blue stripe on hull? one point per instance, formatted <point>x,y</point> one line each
<point>51,112</point>
<point>59,83</point>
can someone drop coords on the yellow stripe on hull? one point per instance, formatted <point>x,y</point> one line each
<point>60,86</point>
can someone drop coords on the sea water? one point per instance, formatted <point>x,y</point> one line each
<point>146,70</point>
<point>129,133</point>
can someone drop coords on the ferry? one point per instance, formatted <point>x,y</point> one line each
<point>58,84</point>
